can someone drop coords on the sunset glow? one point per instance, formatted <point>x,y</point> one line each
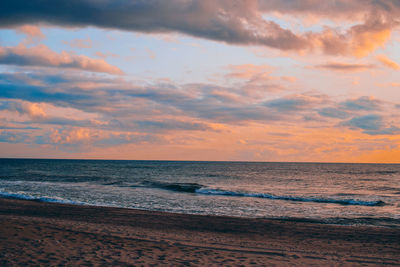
<point>247,80</point>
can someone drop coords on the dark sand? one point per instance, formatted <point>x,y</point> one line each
<point>45,234</point>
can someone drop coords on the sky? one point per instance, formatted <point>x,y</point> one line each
<point>230,80</point>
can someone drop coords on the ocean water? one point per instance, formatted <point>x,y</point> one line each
<point>330,193</point>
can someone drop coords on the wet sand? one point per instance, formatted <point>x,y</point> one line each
<point>48,234</point>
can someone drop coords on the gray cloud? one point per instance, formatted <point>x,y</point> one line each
<point>235,22</point>
<point>386,131</point>
<point>13,137</point>
<point>370,122</point>
<point>332,9</point>
<point>362,103</point>
<point>124,100</point>
<point>333,113</point>
<point>294,103</point>
<point>345,67</point>
<point>124,106</point>
<point>121,139</point>
<point>156,125</point>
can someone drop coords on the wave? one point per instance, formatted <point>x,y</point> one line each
<point>39,199</point>
<point>203,190</point>
<point>206,191</point>
<point>178,187</point>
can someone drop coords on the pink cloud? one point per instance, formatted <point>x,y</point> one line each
<point>106,55</point>
<point>257,79</point>
<point>33,110</point>
<point>247,71</point>
<point>41,55</point>
<point>71,136</point>
<point>80,43</point>
<point>31,30</point>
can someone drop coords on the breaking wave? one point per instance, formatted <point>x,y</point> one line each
<point>206,191</point>
<point>39,199</point>
<point>203,190</point>
<point>178,187</point>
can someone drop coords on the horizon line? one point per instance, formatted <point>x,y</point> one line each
<point>227,161</point>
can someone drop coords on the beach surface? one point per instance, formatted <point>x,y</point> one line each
<point>49,234</point>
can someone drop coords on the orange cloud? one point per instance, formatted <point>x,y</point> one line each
<point>75,135</point>
<point>388,62</point>
<point>359,41</point>
<point>35,110</point>
<point>366,42</point>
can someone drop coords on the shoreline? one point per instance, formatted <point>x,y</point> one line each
<point>40,233</point>
<point>360,221</point>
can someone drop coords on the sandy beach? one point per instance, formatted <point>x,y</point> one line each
<point>48,234</point>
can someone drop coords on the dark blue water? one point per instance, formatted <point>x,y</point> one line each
<point>334,193</point>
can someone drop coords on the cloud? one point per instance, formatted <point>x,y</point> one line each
<point>73,135</point>
<point>34,110</point>
<point>345,67</point>
<point>106,55</point>
<point>113,97</point>
<point>295,102</point>
<point>80,43</point>
<point>371,122</point>
<point>172,125</point>
<point>112,104</point>
<point>3,127</point>
<point>7,136</point>
<point>32,31</point>
<point>249,71</point>
<point>256,81</point>
<point>392,130</point>
<point>42,56</point>
<point>373,22</point>
<point>333,113</point>
<point>388,62</point>
<point>363,103</point>
<point>239,22</point>
<point>76,137</point>
<point>127,138</point>
<point>331,9</point>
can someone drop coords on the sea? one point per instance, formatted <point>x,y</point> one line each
<point>333,193</point>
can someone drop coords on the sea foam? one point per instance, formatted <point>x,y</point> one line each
<point>23,196</point>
